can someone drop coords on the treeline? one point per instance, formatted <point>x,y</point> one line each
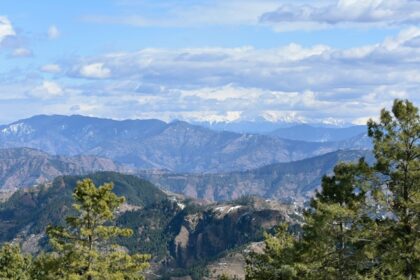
<point>83,249</point>
<point>364,222</point>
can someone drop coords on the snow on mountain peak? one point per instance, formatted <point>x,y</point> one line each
<point>17,129</point>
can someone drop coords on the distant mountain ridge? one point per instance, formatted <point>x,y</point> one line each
<point>261,125</point>
<point>25,167</point>
<point>153,144</point>
<point>318,134</point>
<point>287,182</point>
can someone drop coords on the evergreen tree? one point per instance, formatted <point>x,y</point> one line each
<point>364,223</point>
<point>13,265</point>
<point>84,249</point>
<point>279,260</point>
<point>333,241</point>
<point>397,150</point>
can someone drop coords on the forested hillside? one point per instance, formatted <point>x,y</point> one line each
<point>182,235</point>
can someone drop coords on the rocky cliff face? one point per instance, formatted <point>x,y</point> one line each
<point>25,167</point>
<point>204,235</point>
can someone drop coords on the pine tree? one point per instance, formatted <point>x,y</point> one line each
<point>84,249</point>
<point>13,265</point>
<point>364,223</point>
<point>279,260</point>
<point>333,241</point>
<point>397,150</point>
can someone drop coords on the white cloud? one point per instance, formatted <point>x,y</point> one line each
<point>344,12</point>
<point>289,83</point>
<point>51,68</point>
<point>22,52</point>
<point>6,28</point>
<point>188,115</point>
<point>52,88</point>
<point>95,70</point>
<point>223,93</point>
<point>313,84</point>
<point>47,90</point>
<point>53,32</point>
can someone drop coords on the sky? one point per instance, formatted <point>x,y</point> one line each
<point>324,61</point>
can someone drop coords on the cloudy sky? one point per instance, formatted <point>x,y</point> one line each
<point>208,60</point>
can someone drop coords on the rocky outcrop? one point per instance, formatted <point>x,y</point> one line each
<point>205,235</point>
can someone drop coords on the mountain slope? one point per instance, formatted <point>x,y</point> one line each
<point>32,210</point>
<point>318,134</point>
<point>282,181</point>
<point>25,167</point>
<point>147,144</point>
<point>180,234</point>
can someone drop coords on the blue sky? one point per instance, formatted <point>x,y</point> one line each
<point>223,60</point>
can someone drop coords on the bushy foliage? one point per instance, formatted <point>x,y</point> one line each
<point>13,265</point>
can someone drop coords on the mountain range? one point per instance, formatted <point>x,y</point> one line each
<point>291,181</point>
<point>189,188</point>
<point>287,182</point>
<point>267,124</point>
<point>153,144</point>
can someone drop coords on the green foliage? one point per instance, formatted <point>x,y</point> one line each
<point>223,277</point>
<point>151,234</point>
<point>13,265</point>
<point>155,218</point>
<point>331,244</point>
<point>397,150</point>
<point>226,277</point>
<point>364,223</point>
<point>82,249</point>
<point>51,204</point>
<point>279,259</point>
<point>333,235</point>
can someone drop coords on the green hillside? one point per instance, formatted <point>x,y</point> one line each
<point>181,234</point>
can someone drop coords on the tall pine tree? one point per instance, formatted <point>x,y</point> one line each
<point>84,249</point>
<point>397,149</point>
<point>333,241</point>
<point>364,223</point>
